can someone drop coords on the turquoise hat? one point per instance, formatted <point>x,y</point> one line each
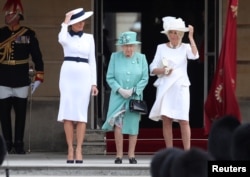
<point>127,38</point>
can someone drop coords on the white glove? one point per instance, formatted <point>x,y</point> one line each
<point>165,62</point>
<point>167,70</point>
<point>34,86</point>
<point>125,93</point>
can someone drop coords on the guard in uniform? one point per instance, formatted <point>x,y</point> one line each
<point>17,45</point>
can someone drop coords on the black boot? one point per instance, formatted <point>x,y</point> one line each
<point>5,118</point>
<point>20,106</point>
<point>19,147</point>
<point>9,146</point>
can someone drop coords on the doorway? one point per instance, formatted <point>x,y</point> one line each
<point>203,15</point>
<point>146,19</point>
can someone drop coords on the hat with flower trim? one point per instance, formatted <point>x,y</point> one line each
<point>127,38</point>
<point>173,23</point>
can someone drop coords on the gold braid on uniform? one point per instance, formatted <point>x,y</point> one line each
<point>6,45</point>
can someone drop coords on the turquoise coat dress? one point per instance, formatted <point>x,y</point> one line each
<point>125,73</point>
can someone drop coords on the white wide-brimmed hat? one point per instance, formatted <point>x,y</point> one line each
<point>127,38</point>
<point>173,23</point>
<point>79,15</point>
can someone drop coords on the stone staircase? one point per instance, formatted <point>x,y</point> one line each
<point>98,152</point>
<point>96,162</point>
<point>54,164</point>
<point>94,143</point>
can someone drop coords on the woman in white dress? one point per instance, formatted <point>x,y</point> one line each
<point>77,79</point>
<point>170,65</point>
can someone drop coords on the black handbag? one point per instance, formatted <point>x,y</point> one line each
<point>139,106</point>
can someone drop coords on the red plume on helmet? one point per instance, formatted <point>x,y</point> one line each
<point>15,6</point>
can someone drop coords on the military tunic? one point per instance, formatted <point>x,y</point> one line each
<point>13,74</point>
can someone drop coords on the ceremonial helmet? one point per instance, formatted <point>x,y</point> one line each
<point>14,6</point>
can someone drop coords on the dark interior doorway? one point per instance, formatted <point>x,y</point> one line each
<point>150,15</point>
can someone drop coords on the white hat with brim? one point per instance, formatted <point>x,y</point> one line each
<point>127,38</point>
<point>79,15</point>
<point>172,23</point>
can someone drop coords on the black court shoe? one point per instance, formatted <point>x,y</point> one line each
<point>118,160</point>
<point>70,161</point>
<point>79,161</point>
<point>132,160</point>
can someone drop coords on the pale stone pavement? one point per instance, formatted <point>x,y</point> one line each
<point>54,164</point>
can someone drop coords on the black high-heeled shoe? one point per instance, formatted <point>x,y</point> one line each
<point>78,161</point>
<point>70,156</point>
<point>118,160</point>
<point>132,160</point>
<point>70,161</point>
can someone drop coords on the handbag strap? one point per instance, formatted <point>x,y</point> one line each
<point>133,97</point>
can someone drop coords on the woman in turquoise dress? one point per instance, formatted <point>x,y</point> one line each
<point>127,77</point>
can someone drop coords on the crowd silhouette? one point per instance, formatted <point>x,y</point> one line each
<point>228,140</point>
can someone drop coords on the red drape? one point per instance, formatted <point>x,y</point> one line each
<point>221,98</point>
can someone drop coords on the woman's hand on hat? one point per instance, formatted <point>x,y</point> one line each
<point>67,17</point>
<point>191,31</point>
<point>191,38</point>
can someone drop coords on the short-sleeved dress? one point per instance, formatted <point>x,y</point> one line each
<point>172,95</point>
<point>76,78</point>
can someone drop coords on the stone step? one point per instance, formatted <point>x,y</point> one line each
<point>94,135</point>
<point>94,142</point>
<point>54,164</point>
<point>98,148</point>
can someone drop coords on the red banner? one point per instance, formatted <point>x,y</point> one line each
<point>221,98</point>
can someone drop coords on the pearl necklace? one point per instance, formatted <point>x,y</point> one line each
<point>173,47</point>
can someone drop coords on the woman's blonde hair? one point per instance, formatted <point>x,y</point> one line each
<point>180,34</point>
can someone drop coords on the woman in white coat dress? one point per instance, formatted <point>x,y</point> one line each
<point>77,79</point>
<point>170,65</point>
